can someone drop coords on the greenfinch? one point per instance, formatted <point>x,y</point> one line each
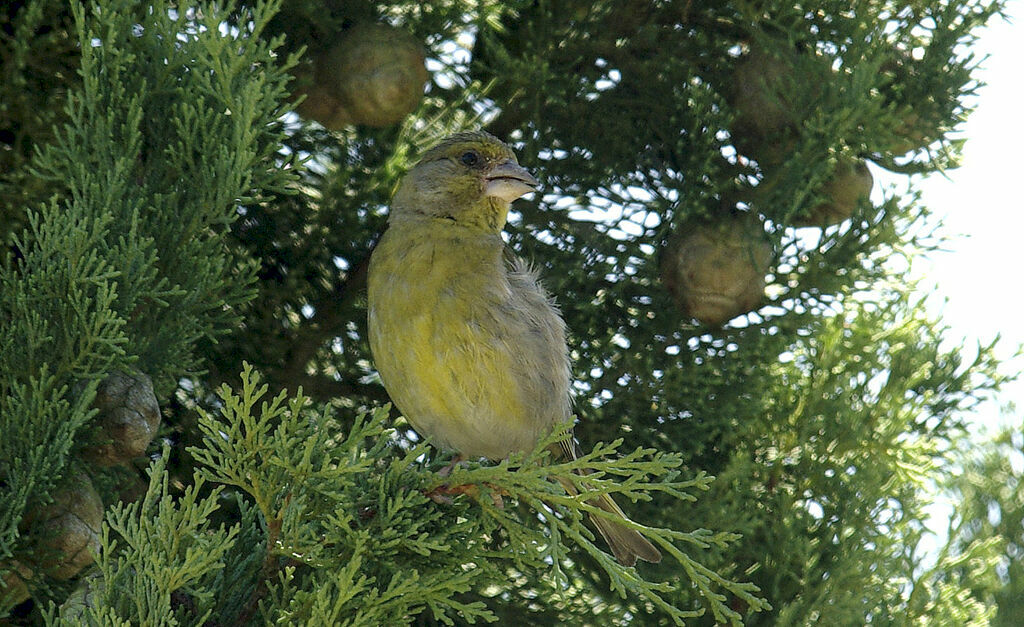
<point>469,346</point>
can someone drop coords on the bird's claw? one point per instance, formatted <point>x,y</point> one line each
<point>443,494</point>
<point>447,470</point>
<point>438,496</point>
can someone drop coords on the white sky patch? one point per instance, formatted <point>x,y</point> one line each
<point>976,286</point>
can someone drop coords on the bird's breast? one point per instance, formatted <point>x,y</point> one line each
<point>456,348</point>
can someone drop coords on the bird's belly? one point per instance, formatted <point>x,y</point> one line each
<point>450,387</point>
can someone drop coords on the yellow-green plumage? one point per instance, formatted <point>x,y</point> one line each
<point>469,346</point>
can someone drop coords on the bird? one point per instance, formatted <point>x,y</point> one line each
<point>468,344</point>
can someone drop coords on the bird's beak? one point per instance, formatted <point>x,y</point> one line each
<point>508,180</point>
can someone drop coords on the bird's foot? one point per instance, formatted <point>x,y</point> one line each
<point>440,495</point>
<point>447,470</point>
<point>443,494</point>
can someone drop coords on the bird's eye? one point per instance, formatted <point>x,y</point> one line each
<point>469,158</point>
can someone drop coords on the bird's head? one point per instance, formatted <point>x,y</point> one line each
<point>469,178</point>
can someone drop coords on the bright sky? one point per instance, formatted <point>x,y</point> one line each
<point>983,275</point>
<point>977,288</point>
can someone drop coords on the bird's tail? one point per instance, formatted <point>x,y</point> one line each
<point>627,544</point>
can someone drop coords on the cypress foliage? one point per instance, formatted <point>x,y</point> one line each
<point>126,267</point>
<point>988,519</point>
<point>167,212</point>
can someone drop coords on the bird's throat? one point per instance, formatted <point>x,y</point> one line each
<point>490,215</point>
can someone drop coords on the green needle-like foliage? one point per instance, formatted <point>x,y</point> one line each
<point>357,503</point>
<point>127,265</point>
